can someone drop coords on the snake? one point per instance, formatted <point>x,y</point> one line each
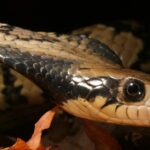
<point>78,72</point>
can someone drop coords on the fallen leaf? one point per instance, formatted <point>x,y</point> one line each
<point>43,123</point>
<point>19,145</point>
<point>34,143</point>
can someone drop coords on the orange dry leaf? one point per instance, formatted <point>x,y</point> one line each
<point>34,142</point>
<point>20,144</point>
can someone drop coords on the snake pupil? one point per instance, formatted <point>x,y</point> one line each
<point>134,90</point>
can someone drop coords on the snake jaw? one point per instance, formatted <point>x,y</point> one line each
<point>124,115</point>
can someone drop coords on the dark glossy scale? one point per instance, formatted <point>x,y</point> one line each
<point>52,75</point>
<point>106,87</point>
<point>47,72</point>
<point>103,50</point>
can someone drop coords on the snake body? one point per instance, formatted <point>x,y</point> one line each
<point>81,74</point>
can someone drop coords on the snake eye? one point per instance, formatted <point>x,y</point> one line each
<point>134,90</point>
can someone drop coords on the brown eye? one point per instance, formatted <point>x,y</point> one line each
<point>134,90</point>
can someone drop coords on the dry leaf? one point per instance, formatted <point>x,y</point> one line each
<point>34,142</point>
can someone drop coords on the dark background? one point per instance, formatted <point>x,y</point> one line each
<point>63,16</point>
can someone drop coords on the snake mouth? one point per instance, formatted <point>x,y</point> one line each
<point>122,114</point>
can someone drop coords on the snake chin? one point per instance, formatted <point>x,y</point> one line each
<point>119,114</point>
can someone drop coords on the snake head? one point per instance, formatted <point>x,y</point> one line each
<point>119,96</point>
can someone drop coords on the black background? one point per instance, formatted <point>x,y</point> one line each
<point>63,16</point>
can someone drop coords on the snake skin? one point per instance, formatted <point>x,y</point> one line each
<point>83,75</point>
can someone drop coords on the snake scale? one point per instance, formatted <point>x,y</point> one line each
<point>80,73</point>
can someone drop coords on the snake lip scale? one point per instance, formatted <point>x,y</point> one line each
<point>84,76</point>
